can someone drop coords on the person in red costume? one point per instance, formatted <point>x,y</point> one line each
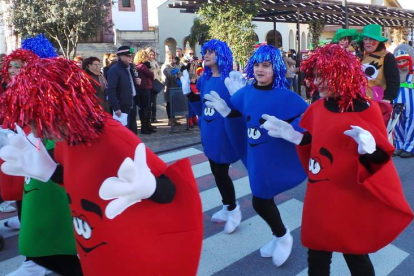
<point>132,214</point>
<point>354,203</point>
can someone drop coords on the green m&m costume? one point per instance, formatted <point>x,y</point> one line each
<point>46,223</point>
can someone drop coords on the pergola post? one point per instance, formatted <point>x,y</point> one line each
<point>274,33</point>
<point>345,24</point>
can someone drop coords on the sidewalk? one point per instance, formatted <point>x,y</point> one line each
<point>163,140</point>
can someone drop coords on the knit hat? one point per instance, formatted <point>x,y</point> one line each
<point>374,31</point>
<point>125,50</point>
<point>199,71</point>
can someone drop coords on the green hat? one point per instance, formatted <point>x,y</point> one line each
<point>340,33</point>
<point>374,31</point>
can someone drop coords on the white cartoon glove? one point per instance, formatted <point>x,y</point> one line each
<point>27,156</point>
<point>214,101</point>
<point>365,140</point>
<point>134,183</point>
<point>234,82</point>
<point>185,82</point>
<point>4,136</point>
<point>280,129</point>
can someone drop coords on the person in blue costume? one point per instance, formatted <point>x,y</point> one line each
<point>272,164</point>
<point>218,62</point>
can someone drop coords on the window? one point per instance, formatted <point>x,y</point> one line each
<point>126,3</point>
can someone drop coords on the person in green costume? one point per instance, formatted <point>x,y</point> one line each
<point>46,233</point>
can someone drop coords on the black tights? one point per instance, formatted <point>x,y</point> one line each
<point>224,183</point>
<point>65,265</point>
<point>267,210</point>
<point>320,261</point>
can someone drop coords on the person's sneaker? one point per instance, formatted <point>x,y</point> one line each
<point>397,152</point>
<point>155,121</point>
<point>220,216</point>
<point>406,154</point>
<point>13,223</point>
<point>283,249</point>
<point>267,250</point>
<point>29,268</point>
<point>233,220</point>
<point>6,207</point>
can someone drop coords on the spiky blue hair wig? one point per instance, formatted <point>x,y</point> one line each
<point>271,54</point>
<point>224,57</point>
<point>39,45</point>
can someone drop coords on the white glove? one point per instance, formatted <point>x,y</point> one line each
<point>214,101</point>
<point>134,183</point>
<point>234,82</point>
<point>365,140</point>
<point>185,82</point>
<point>27,156</point>
<point>280,129</point>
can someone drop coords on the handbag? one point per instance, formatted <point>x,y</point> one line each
<point>157,86</point>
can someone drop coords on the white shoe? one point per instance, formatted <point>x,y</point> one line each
<point>6,207</point>
<point>221,216</point>
<point>267,250</point>
<point>233,221</point>
<point>283,249</point>
<point>29,268</point>
<point>13,223</point>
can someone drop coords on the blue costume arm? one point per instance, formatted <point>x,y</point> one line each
<point>236,130</point>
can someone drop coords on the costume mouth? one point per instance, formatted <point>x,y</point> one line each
<point>90,249</point>
<point>255,145</point>
<point>26,192</point>
<point>317,180</point>
<point>209,121</point>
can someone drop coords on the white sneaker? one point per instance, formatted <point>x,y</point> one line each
<point>29,268</point>
<point>267,250</point>
<point>283,249</point>
<point>221,216</point>
<point>13,223</point>
<point>6,207</point>
<point>233,221</point>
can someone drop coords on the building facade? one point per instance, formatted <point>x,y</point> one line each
<point>174,29</point>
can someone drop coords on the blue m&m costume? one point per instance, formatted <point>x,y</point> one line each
<point>273,164</point>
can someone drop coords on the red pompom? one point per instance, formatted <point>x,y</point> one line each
<point>55,97</point>
<point>340,71</point>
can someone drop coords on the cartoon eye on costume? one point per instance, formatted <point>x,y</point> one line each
<point>208,111</point>
<point>82,228</point>
<point>314,166</point>
<point>371,70</point>
<point>27,180</point>
<point>253,133</point>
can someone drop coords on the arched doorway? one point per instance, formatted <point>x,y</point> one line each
<point>303,41</point>
<point>291,41</point>
<point>170,45</point>
<point>270,38</point>
<point>309,41</point>
<point>187,44</point>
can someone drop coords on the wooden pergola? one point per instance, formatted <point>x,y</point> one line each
<point>303,11</point>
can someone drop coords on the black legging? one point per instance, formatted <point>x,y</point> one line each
<point>65,265</point>
<point>319,264</point>
<point>267,210</point>
<point>153,106</point>
<point>224,183</point>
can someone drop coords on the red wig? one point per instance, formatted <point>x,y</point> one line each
<point>25,56</point>
<point>55,97</point>
<point>340,71</point>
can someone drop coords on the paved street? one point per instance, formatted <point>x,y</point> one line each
<point>237,254</point>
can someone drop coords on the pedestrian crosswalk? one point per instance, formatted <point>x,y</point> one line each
<point>221,251</point>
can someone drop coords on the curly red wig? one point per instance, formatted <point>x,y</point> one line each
<point>341,72</point>
<point>57,98</point>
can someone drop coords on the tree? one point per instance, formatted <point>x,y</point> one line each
<point>231,21</point>
<point>199,32</point>
<point>65,22</point>
<point>315,28</point>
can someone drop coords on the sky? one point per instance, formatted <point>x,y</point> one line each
<point>153,4</point>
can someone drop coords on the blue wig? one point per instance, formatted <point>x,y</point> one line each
<point>271,54</point>
<point>224,57</point>
<point>39,45</point>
